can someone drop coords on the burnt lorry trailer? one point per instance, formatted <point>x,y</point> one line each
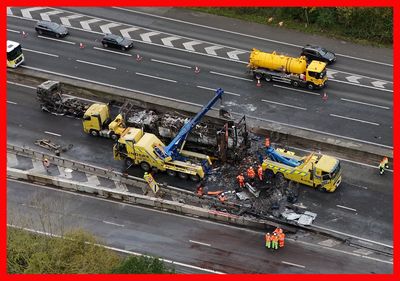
<point>224,138</point>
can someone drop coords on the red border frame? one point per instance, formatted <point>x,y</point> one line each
<point>98,277</point>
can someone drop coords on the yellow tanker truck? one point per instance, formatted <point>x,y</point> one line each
<point>294,71</point>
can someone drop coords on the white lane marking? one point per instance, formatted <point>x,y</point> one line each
<point>242,34</point>
<point>106,27</point>
<point>155,77</point>
<point>189,45</point>
<point>85,23</point>
<point>354,119</point>
<point>42,53</point>
<point>360,85</point>
<point>96,64</point>
<point>353,79</point>
<point>364,103</point>
<point>26,13</point>
<point>9,12</point>
<point>171,63</point>
<point>21,85</point>
<point>211,50</point>
<point>114,52</point>
<point>233,54</point>
<point>120,250</point>
<point>11,102</point>
<point>231,76</point>
<point>211,89</point>
<point>168,40</point>
<point>284,104</point>
<point>347,208</point>
<point>352,236</point>
<point>146,36</point>
<point>58,40</point>
<point>297,90</point>
<point>46,15</point>
<point>125,32</point>
<point>65,20</point>
<point>113,223</point>
<point>200,243</point>
<point>379,84</point>
<point>51,133</point>
<point>293,264</point>
<point>12,30</point>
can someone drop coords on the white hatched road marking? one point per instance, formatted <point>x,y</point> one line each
<point>11,102</point>
<point>46,15</point>
<point>211,89</point>
<point>170,63</point>
<point>146,36</point>
<point>330,73</point>
<point>11,160</point>
<point>353,79</point>
<point>51,133</point>
<point>58,40</point>
<point>85,23</point>
<point>293,264</point>
<point>12,30</point>
<point>211,50</point>
<point>9,12</point>
<point>297,90</point>
<point>168,40</point>
<point>283,104</point>
<point>189,45</point>
<point>200,243</point>
<point>92,179</point>
<point>26,13</point>
<point>113,223</point>
<point>347,208</point>
<point>360,85</point>
<point>231,76</point>
<point>125,32</point>
<point>364,103</point>
<point>114,52</point>
<point>354,119</point>
<point>43,53</point>
<point>379,84</point>
<point>155,77</point>
<point>233,54</point>
<point>65,20</point>
<point>106,27</point>
<point>96,64</point>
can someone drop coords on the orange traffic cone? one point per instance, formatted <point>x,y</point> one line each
<point>258,83</point>
<point>24,34</point>
<point>196,69</point>
<point>138,57</point>
<point>325,97</point>
<point>81,46</point>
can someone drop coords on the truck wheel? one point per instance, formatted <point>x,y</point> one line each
<point>295,84</point>
<point>171,173</point>
<point>310,86</point>
<point>280,177</point>
<point>128,162</point>
<point>145,166</point>
<point>114,136</point>
<point>195,178</point>
<point>268,78</point>
<point>183,176</point>
<point>269,174</point>
<point>94,133</point>
<point>321,189</point>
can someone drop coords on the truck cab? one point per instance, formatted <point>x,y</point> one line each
<point>316,74</point>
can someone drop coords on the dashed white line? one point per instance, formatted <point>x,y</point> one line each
<point>347,208</point>
<point>293,264</point>
<point>58,40</point>
<point>231,76</point>
<point>51,133</point>
<point>171,63</point>
<point>12,30</point>
<point>354,119</point>
<point>42,53</point>
<point>284,104</point>
<point>211,89</point>
<point>11,102</point>
<point>155,77</point>
<point>297,90</point>
<point>96,64</point>
<point>21,85</point>
<point>200,243</point>
<point>114,52</point>
<point>113,223</point>
<point>364,103</point>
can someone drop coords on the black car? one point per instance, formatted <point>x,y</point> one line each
<point>51,28</point>
<point>318,53</point>
<point>116,41</point>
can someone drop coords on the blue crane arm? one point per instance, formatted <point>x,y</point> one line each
<point>275,156</point>
<point>172,148</point>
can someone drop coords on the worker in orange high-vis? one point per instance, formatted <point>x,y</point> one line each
<point>281,237</point>
<point>240,179</point>
<point>274,241</point>
<point>251,174</point>
<point>278,230</point>
<point>268,241</point>
<point>260,172</point>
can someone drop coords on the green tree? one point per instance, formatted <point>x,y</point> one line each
<point>141,264</point>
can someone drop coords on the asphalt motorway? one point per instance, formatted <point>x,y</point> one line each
<point>195,242</point>
<point>361,207</point>
<point>352,111</point>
